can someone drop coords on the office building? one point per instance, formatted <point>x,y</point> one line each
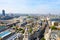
<point>3,12</point>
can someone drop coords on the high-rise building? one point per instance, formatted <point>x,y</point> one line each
<point>3,12</point>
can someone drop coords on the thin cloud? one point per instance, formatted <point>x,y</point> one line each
<point>30,6</point>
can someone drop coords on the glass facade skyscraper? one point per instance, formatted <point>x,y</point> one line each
<point>3,12</point>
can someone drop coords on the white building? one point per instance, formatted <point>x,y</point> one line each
<point>26,35</point>
<point>47,35</point>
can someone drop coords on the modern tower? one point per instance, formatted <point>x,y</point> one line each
<point>3,12</point>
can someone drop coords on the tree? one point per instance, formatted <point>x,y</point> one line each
<point>43,38</point>
<point>20,29</point>
<point>23,31</point>
<point>30,30</point>
<point>53,27</point>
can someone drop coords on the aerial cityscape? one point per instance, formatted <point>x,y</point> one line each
<point>30,20</point>
<point>29,27</point>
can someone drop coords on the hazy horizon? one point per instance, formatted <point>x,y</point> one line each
<point>30,6</point>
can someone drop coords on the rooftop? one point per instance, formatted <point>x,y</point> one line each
<point>56,19</point>
<point>55,34</point>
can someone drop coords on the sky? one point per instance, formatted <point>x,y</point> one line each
<point>30,6</point>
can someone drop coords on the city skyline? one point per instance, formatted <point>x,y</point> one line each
<point>30,6</point>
